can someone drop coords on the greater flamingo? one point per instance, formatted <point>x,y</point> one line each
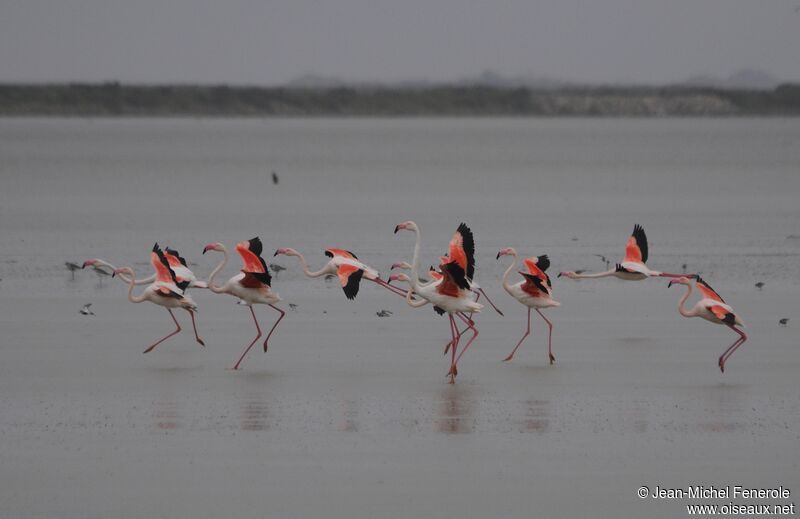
<point>252,285</point>
<point>713,309</point>
<point>166,292</point>
<point>452,293</point>
<point>535,291</point>
<point>437,276</point>
<point>346,266</point>
<point>633,266</point>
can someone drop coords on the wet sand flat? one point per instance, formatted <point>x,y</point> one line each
<point>349,414</point>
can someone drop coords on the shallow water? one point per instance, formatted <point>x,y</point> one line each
<point>348,414</point>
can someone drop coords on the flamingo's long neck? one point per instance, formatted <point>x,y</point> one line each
<point>131,283</point>
<point>415,261</point>
<point>213,288</point>
<point>683,311</point>
<point>506,284</point>
<point>306,271</point>
<point>597,275</point>
<point>410,300</point>
<point>124,277</point>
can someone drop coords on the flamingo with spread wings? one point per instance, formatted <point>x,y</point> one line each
<point>252,285</point>
<point>452,293</point>
<point>535,291</point>
<point>713,309</point>
<point>166,291</point>
<point>346,266</point>
<point>633,267</point>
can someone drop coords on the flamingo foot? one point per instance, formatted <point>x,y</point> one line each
<point>507,359</point>
<point>234,368</point>
<point>552,359</point>
<point>721,364</point>
<point>200,342</point>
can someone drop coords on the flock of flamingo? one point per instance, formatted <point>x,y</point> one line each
<point>451,288</point>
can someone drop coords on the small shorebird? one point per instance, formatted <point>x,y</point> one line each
<point>86,310</point>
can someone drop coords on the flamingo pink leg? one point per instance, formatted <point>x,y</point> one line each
<point>148,350</point>
<point>527,332</point>
<point>459,333</point>
<point>453,370</point>
<point>274,325</point>
<point>194,326</point>
<point>388,286</point>
<point>236,366</point>
<point>725,356</point>
<point>471,326</point>
<point>549,338</point>
<point>480,290</point>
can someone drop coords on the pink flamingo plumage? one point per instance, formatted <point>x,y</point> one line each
<point>535,291</point>
<point>346,266</point>
<point>166,291</point>
<point>452,293</point>
<point>632,267</point>
<point>713,309</point>
<point>252,285</point>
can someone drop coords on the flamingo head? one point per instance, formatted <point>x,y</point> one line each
<point>122,270</point>
<point>214,246</point>
<point>399,277</point>
<point>679,281</point>
<point>408,226</point>
<point>286,251</point>
<point>90,263</point>
<point>570,274</point>
<point>508,251</point>
<point>401,265</point>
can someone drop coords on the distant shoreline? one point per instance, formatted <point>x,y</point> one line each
<point>114,99</point>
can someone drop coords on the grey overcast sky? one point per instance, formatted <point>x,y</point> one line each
<point>271,42</point>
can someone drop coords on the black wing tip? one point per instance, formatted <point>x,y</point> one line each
<point>329,253</point>
<point>468,241</point>
<point>156,248</point>
<point>729,319</point>
<point>439,310</point>
<point>182,285</point>
<point>619,268</point>
<point>177,254</point>
<point>641,240</point>
<point>543,262</point>
<point>353,283</point>
<point>255,245</point>
<point>351,253</point>
<point>458,275</point>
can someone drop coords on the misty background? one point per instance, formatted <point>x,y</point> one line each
<point>275,43</point>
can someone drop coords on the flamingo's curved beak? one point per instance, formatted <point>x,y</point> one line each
<point>561,274</point>
<point>394,277</point>
<point>397,228</point>
<point>279,251</point>
<point>396,266</point>
<point>87,263</point>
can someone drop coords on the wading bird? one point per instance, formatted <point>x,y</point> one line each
<point>346,266</point>
<point>165,291</point>
<point>712,308</point>
<point>252,285</point>
<point>633,266</point>
<point>453,292</point>
<point>535,291</point>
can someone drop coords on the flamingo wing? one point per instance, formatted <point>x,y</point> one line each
<point>350,279</point>
<point>174,258</point>
<point>164,273</point>
<point>534,282</point>
<point>166,292</point>
<point>462,251</point>
<point>708,292</point>
<point>636,248</point>
<point>255,279</point>
<point>448,285</point>
<point>723,314</point>
<point>250,251</point>
<point>332,252</point>
<point>537,265</point>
